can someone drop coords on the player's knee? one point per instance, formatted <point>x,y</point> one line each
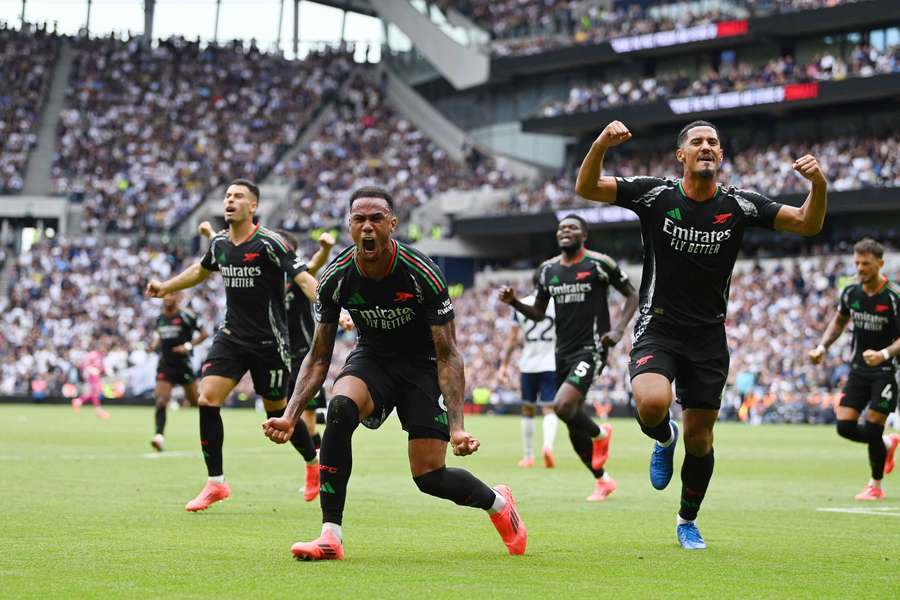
<point>527,410</point>
<point>564,408</point>
<point>205,400</point>
<point>342,412</point>
<point>433,483</point>
<point>847,429</point>
<point>652,409</point>
<point>698,442</point>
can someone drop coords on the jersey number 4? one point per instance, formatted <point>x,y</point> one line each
<point>532,335</point>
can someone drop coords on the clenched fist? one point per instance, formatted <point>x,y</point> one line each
<point>612,135</point>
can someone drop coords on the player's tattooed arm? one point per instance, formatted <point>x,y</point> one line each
<point>590,183</point>
<point>806,220</point>
<point>614,336</point>
<point>832,333</point>
<point>535,312</point>
<point>190,277</point>
<point>452,381</point>
<point>309,381</point>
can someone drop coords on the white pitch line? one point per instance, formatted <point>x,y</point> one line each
<point>880,511</point>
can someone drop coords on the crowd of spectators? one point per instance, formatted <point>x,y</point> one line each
<point>67,299</point>
<point>849,163</point>
<point>26,59</point>
<point>367,143</point>
<point>149,131</point>
<point>533,26</point>
<point>864,61</point>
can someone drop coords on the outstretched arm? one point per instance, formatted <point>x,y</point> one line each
<point>832,333</point>
<point>190,277</point>
<point>452,381</point>
<point>806,220</point>
<point>309,381</point>
<point>307,284</point>
<point>590,183</point>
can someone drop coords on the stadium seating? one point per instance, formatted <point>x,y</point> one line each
<point>367,143</point>
<point>865,61</point>
<point>851,163</point>
<point>149,132</point>
<point>534,26</point>
<point>26,60</point>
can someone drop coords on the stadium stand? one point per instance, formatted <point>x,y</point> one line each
<point>26,59</point>
<point>864,61</point>
<point>149,132</point>
<point>368,143</point>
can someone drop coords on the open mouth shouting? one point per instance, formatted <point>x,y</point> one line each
<point>368,246</point>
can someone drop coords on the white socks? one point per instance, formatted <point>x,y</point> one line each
<point>333,528</point>
<point>218,479</point>
<point>528,436</point>
<point>551,421</point>
<point>499,503</point>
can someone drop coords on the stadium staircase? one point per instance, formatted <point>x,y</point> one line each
<point>470,66</point>
<point>40,164</point>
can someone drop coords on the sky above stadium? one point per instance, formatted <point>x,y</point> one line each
<point>242,19</point>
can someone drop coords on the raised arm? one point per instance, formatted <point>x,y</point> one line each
<point>832,333</point>
<point>307,284</point>
<point>452,381</point>
<point>190,277</point>
<point>326,243</point>
<point>310,379</point>
<point>590,183</point>
<point>806,220</point>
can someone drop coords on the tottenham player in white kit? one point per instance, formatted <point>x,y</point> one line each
<point>537,368</point>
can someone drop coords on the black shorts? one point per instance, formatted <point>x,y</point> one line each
<point>580,369</point>
<point>538,388</point>
<point>318,400</point>
<point>876,390</point>
<point>695,358</point>
<point>408,384</point>
<point>176,374</point>
<point>266,364</point>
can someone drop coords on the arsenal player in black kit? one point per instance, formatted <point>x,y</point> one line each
<point>874,306</point>
<point>691,229</point>
<point>175,340</point>
<point>578,281</point>
<point>253,261</point>
<point>406,358</point>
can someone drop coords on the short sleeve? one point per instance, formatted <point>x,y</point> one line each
<point>284,257</point>
<point>759,210</point>
<point>617,277</point>
<point>635,193</point>
<point>437,303</point>
<point>328,308</point>
<point>844,302</point>
<point>209,261</point>
<point>542,293</point>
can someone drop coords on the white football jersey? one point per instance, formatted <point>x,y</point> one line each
<point>539,346</point>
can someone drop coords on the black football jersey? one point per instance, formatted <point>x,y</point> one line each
<point>254,273</point>
<point>580,293</point>
<point>876,322</point>
<point>393,315</point>
<point>690,247</point>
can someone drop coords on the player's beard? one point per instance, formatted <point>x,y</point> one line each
<point>573,249</point>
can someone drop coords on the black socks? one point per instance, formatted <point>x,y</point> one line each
<point>336,457</point>
<point>212,435</point>
<point>696,471</point>
<point>456,485</point>
<point>160,419</point>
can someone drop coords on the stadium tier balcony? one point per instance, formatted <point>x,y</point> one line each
<point>368,143</point>
<point>148,132</point>
<point>863,61</point>
<point>26,65</point>
<point>534,26</point>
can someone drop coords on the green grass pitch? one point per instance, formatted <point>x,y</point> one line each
<point>89,512</point>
